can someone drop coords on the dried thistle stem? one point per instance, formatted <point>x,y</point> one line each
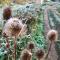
<point>15,47</point>
<point>49,50</point>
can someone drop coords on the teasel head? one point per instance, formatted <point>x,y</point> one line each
<point>12,27</point>
<point>52,35</point>
<point>39,54</point>
<point>26,55</point>
<point>7,13</point>
<point>30,45</point>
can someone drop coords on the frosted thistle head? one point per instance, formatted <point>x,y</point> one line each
<point>26,55</point>
<point>39,54</point>
<point>52,35</point>
<point>7,13</point>
<point>30,45</point>
<point>12,27</point>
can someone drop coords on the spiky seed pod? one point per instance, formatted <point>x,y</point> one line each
<point>26,55</point>
<point>12,27</point>
<point>52,35</point>
<point>30,45</point>
<point>7,13</point>
<point>39,54</point>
